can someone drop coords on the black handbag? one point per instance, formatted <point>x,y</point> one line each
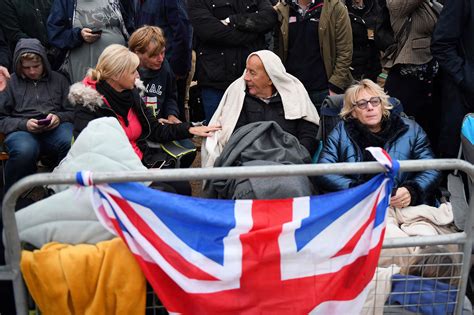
<point>168,155</point>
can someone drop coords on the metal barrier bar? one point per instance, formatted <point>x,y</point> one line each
<point>12,241</point>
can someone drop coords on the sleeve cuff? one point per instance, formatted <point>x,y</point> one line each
<point>335,89</point>
<point>416,193</point>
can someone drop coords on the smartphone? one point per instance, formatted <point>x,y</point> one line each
<point>96,31</point>
<point>44,122</point>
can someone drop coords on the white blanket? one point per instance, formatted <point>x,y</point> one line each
<point>65,217</point>
<point>419,220</point>
<point>295,99</point>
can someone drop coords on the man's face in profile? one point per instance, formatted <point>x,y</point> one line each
<point>256,78</point>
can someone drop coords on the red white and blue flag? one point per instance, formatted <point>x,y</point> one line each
<point>307,255</point>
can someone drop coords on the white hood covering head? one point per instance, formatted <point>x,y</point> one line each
<point>295,99</point>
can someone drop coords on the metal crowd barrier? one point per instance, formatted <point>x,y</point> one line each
<point>11,271</point>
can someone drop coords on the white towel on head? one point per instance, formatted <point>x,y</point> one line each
<point>295,99</point>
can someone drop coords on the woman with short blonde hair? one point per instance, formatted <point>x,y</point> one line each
<point>367,122</point>
<point>350,98</point>
<point>113,62</point>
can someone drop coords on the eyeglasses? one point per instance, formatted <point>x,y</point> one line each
<point>374,101</point>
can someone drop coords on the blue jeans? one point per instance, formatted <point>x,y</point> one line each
<point>24,149</point>
<point>210,101</point>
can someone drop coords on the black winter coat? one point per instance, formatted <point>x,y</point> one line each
<point>5,53</point>
<point>25,19</point>
<point>90,105</point>
<point>453,44</point>
<point>222,50</point>
<point>365,56</point>
<point>255,110</point>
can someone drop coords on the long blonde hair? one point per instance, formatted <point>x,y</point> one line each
<point>350,97</point>
<point>113,62</point>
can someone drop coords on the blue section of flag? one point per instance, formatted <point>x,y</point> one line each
<point>200,223</point>
<point>325,209</point>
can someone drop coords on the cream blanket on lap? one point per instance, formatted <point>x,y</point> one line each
<point>419,220</point>
<point>295,99</point>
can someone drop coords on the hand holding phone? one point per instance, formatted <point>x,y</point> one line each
<point>96,31</point>
<point>44,122</point>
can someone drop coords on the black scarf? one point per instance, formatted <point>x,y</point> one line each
<point>120,102</point>
<point>391,128</point>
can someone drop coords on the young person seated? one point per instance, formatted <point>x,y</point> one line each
<point>35,113</point>
<point>149,43</point>
<point>265,92</point>
<point>367,122</point>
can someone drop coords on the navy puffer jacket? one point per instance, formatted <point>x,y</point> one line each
<point>408,141</point>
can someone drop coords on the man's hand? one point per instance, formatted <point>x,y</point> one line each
<point>4,76</point>
<point>33,127</point>
<point>55,121</point>
<point>401,199</point>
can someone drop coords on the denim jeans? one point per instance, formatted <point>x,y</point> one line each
<point>24,149</point>
<point>210,101</point>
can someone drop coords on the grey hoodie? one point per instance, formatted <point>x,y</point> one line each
<point>25,98</point>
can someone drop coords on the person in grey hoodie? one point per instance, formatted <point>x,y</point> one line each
<point>35,113</point>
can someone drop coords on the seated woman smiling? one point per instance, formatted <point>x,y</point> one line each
<point>367,121</point>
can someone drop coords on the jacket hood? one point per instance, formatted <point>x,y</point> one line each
<point>30,45</point>
<point>85,94</point>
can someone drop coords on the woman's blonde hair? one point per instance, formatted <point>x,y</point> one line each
<point>113,62</point>
<point>350,97</point>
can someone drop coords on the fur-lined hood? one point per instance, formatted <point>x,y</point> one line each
<point>85,94</point>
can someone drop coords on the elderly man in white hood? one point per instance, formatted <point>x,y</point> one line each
<point>265,92</point>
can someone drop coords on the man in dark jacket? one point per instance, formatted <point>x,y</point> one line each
<point>171,16</point>
<point>27,19</point>
<point>263,103</point>
<point>365,56</point>
<point>34,112</point>
<point>226,33</point>
<point>315,43</point>
<point>453,47</point>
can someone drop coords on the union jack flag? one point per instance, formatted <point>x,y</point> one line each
<point>307,255</point>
